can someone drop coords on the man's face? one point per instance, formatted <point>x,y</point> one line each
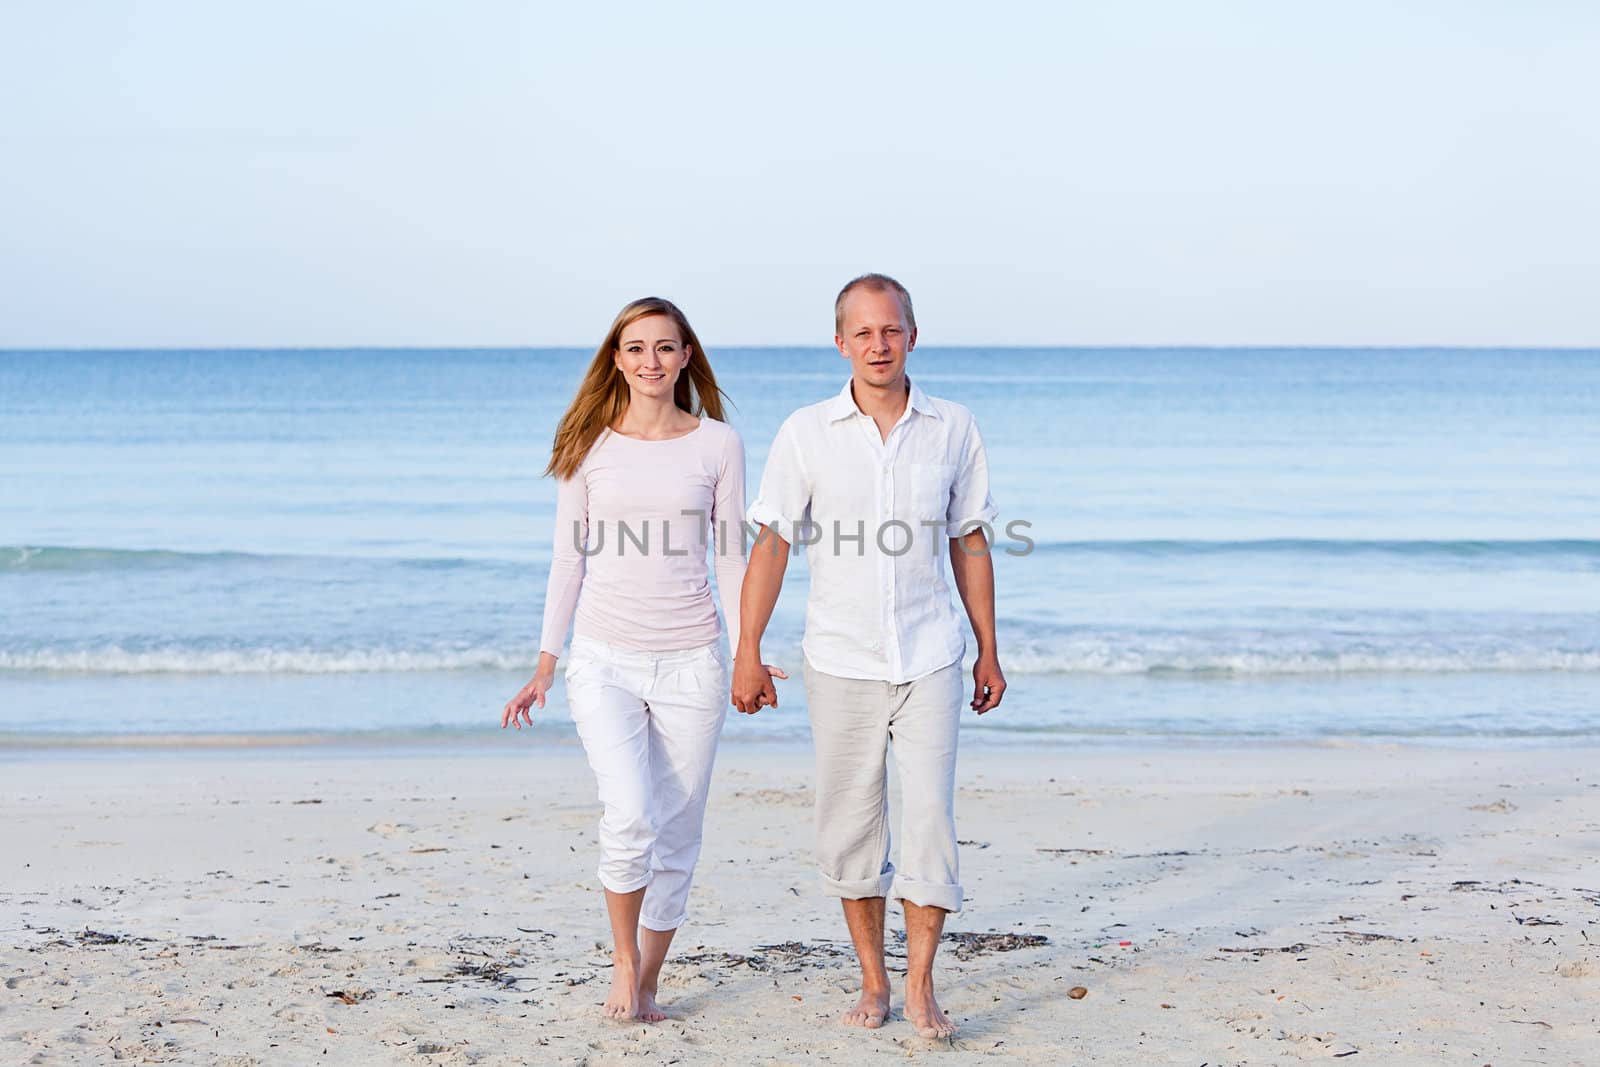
<point>874,336</point>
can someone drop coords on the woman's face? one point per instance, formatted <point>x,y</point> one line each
<point>650,355</point>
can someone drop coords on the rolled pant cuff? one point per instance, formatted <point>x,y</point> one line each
<point>927,894</point>
<point>661,926</point>
<point>858,888</point>
<point>628,886</point>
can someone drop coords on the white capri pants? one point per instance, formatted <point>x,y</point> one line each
<point>650,722</point>
<point>853,724</point>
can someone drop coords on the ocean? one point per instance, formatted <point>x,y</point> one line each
<point>1292,544</point>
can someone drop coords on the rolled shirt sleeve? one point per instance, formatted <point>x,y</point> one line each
<point>785,495</point>
<point>970,502</point>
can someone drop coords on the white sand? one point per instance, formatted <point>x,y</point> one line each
<point>1401,905</point>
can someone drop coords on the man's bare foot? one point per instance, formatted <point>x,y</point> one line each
<point>922,1011</point>
<point>649,1010</point>
<point>870,1011</point>
<point>623,1003</point>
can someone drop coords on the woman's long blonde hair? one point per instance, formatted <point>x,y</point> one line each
<point>603,394</point>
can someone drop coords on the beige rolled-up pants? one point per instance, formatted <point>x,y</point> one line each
<point>853,724</point>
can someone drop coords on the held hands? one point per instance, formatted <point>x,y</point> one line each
<point>988,684</point>
<point>516,711</point>
<point>752,684</point>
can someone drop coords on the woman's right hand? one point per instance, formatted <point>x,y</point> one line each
<point>544,678</point>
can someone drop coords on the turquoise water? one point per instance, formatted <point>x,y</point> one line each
<point>1297,543</point>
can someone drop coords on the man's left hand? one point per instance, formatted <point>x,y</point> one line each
<point>988,684</point>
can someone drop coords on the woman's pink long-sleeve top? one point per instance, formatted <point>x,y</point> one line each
<point>633,528</point>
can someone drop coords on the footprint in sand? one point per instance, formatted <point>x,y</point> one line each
<point>437,1052</point>
<point>295,1012</point>
<point>400,1034</point>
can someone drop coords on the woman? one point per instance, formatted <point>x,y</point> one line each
<point>647,468</point>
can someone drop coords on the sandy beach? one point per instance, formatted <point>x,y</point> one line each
<point>410,905</point>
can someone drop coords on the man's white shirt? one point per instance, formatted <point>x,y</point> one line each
<point>876,516</point>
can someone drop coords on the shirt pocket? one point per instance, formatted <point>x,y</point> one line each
<point>930,490</point>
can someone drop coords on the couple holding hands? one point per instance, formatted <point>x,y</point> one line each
<point>879,484</point>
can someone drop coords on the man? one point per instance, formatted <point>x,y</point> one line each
<point>880,483</point>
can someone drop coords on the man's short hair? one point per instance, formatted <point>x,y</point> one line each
<point>878,283</point>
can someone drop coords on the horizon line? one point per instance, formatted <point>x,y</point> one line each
<point>768,346</point>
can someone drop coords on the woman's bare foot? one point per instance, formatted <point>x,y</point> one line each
<point>623,1003</point>
<point>922,1011</point>
<point>649,1010</point>
<point>653,945</point>
<point>870,1011</point>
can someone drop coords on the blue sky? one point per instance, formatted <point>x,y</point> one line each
<point>394,173</point>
